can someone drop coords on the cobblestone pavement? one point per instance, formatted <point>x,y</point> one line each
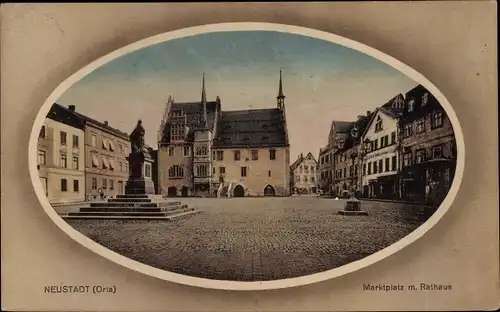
<point>250,239</point>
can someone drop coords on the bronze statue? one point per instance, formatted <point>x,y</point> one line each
<point>137,138</point>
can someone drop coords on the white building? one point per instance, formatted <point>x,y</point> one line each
<point>304,175</point>
<point>380,160</point>
<point>61,157</point>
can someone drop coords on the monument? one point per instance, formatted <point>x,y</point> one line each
<point>140,164</point>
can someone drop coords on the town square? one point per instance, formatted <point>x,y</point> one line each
<point>208,187</point>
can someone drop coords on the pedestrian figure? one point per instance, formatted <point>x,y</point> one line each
<point>101,193</point>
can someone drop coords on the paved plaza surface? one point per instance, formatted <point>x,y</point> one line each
<point>252,239</point>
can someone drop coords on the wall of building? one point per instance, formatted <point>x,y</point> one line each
<point>53,171</point>
<point>258,176</point>
<point>389,126</point>
<point>169,156</point>
<point>305,176</point>
<point>110,181</point>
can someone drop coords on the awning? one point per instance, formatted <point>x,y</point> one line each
<point>112,164</point>
<point>111,146</point>
<point>104,143</point>
<point>105,163</point>
<point>95,161</point>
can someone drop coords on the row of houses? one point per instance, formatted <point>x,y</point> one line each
<point>80,158</point>
<point>405,149</point>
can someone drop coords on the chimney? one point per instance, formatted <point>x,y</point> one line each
<point>105,122</point>
<point>368,113</point>
<point>71,108</point>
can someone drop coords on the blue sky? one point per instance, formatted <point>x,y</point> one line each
<point>322,81</point>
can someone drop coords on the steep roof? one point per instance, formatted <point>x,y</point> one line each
<point>342,126</point>
<point>88,120</point>
<point>62,114</point>
<point>251,128</point>
<point>194,116</point>
<point>300,159</point>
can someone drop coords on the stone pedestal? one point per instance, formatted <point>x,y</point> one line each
<point>139,181</point>
<point>353,208</point>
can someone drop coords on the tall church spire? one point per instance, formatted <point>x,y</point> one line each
<point>204,101</point>
<point>281,97</point>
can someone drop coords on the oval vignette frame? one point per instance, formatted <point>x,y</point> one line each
<point>256,285</point>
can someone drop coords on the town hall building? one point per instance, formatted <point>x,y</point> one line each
<point>205,151</point>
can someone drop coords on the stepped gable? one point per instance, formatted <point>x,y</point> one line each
<point>251,128</point>
<point>194,117</point>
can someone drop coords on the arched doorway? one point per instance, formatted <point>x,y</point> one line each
<point>239,191</point>
<point>269,191</point>
<point>172,191</point>
<point>184,191</point>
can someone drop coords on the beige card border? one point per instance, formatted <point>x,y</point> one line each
<point>255,285</point>
<point>453,43</point>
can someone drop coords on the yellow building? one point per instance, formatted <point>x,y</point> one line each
<point>106,152</point>
<point>204,150</point>
<point>304,175</point>
<point>61,157</point>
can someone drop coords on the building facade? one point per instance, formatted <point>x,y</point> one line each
<point>428,154</point>
<point>106,152</point>
<point>61,157</point>
<point>381,151</point>
<point>205,151</point>
<point>304,175</point>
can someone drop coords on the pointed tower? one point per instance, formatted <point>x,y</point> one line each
<point>281,97</point>
<point>204,102</point>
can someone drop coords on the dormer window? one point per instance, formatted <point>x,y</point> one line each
<point>411,105</point>
<point>425,98</point>
<point>378,124</point>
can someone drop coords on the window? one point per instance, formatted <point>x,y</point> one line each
<point>147,170</point>
<point>187,151</point>
<point>437,152</point>
<point>120,149</point>
<point>407,130</point>
<point>312,179</point>
<point>306,168</point>
<point>411,105</point>
<point>243,171</point>
<point>375,144</point>
<point>213,170</point>
<point>42,133</point>
<point>104,183</point>
<point>76,186</point>
<point>378,124</point>
<point>269,173</point>
<point>297,178</point>
<point>255,154</point>
<point>300,168</point>
<point>407,159</point>
<point>381,165</point>
<point>364,169</point>
<point>420,125</point>
<point>111,146</point>
<point>120,165</point>
<point>111,184</point>
<point>63,138</point>
<point>104,144</point>
<point>425,99</point>
<point>202,170</point>
<point>437,119</point>
<point>94,141</point>
<point>202,150</point>
<point>75,141</point>
<point>220,155</point>
<point>175,172</point>
<point>125,167</point>
<point>356,170</point>
<point>375,168</point>
<point>393,137</point>
<point>236,155</point>
<point>64,161</point>
<point>345,172</point>
<point>64,185</point>
<point>394,163</point>
<point>94,183</point>
<point>170,151</point>
<point>305,179</point>
<point>272,154</point>
<point>42,157</point>
<point>387,164</point>
<point>419,156</point>
<point>369,168</point>
<point>222,170</point>
<point>312,169</point>
<point>75,162</point>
